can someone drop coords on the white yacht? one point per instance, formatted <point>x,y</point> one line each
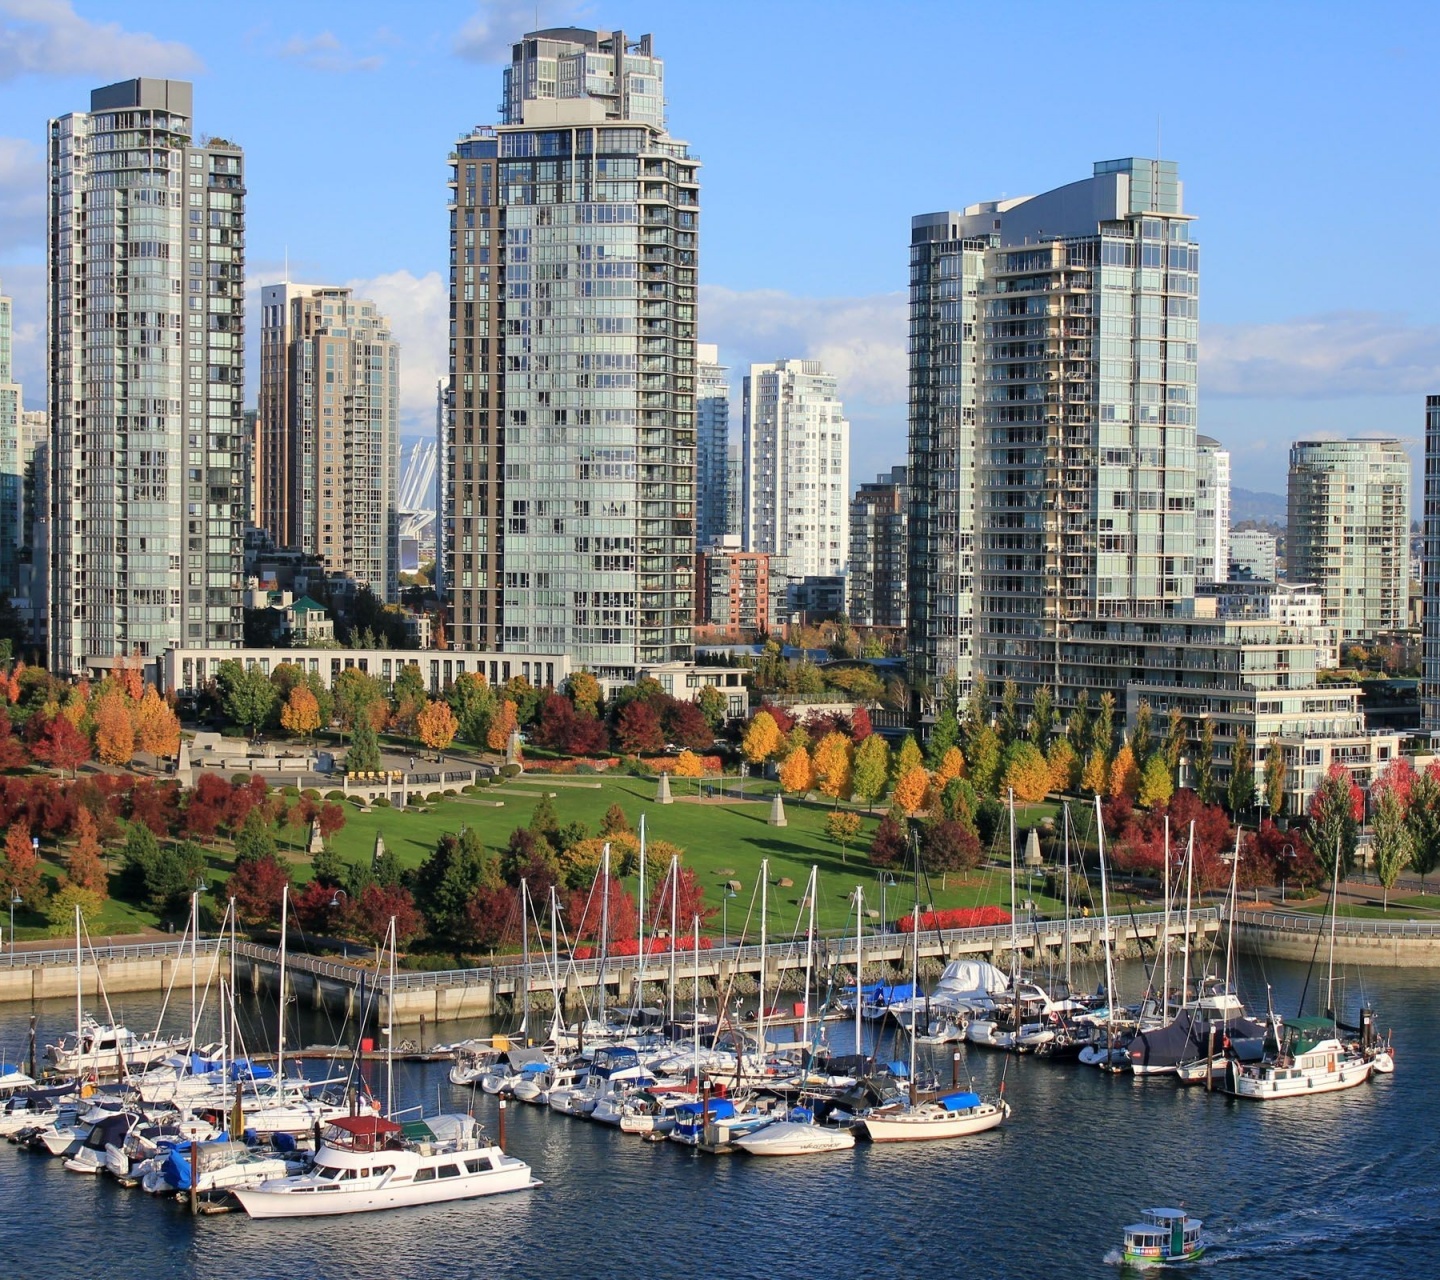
<point>365,1163</point>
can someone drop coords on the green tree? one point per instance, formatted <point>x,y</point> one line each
<point>1274,775</point>
<point>1241,792</point>
<point>1423,819</point>
<point>1009,723</point>
<point>842,827</point>
<point>246,695</point>
<point>1392,843</point>
<point>1334,831</point>
<point>1172,747</point>
<point>946,731</point>
<point>1142,741</point>
<point>364,753</point>
<point>977,712</point>
<point>256,837</point>
<point>355,693</point>
<point>906,759</point>
<point>1042,717</point>
<point>713,706</point>
<point>446,881</point>
<point>982,760</point>
<point>872,768</point>
<point>1102,734</point>
<point>473,702</point>
<point>1078,726</point>
<point>1156,784</point>
<point>409,683</point>
<point>544,821</point>
<point>1205,762</point>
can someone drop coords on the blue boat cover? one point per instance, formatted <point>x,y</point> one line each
<point>534,1068</point>
<point>719,1108</point>
<point>243,1069</point>
<point>959,1101</point>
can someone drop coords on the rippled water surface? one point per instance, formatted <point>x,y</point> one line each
<point>1347,1181</point>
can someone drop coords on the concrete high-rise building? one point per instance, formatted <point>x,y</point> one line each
<point>1081,349</point>
<point>1349,532</point>
<point>796,462</point>
<point>712,447</point>
<point>146,352</point>
<point>1430,618</point>
<point>570,478</point>
<point>1212,511</point>
<point>329,431</point>
<point>879,543</point>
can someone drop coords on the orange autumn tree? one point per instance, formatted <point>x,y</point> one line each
<point>952,766</point>
<point>502,724</point>
<point>84,867</point>
<point>1096,773</point>
<point>19,867</point>
<point>436,724</point>
<point>114,729</point>
<point>835,765</point>
<point>301,713</point>
<point>1124,776</point>
<point>797,774</point>
<point>1062,761</point>
<point>910,790</point>
<point>128,673</point>
<point>157,727</point>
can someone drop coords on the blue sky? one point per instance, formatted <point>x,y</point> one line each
<point>1305,134</point>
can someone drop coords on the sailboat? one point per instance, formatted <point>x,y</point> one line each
<point>952,1115</point>
<point>1306,1055</point>
<point>369,1162</point>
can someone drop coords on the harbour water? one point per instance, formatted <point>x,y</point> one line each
<point>1341,1183</point>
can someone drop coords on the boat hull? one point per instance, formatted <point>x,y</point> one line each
<point>789,1138</point>
<point>260,1203</point>
<point>902,1127</point>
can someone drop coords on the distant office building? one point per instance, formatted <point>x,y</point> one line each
<point>735,596</point>
<point>1212,510</point>
<point>12,459</point>
<point>796,468</point>
<point>1430,618</point>
<point>1349,531</point>
<point>1298,607</point>
<point>1253,555</point>
<point>879,545</point>
<point>329,431</point>
<point>569,485</point>
<point>734,491</point>
<point>712,447</point>
<point>146,331</point>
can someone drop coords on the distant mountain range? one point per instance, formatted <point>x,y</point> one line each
<point>1248,504</point>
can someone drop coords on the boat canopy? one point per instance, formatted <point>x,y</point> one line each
<point>522,1058</point>
<point>718,1108</point>
<point>243,1069</point>
<point>612,1058</point>
<point>959,1101</point>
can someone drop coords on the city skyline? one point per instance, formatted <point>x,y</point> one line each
<point>1285,354</point>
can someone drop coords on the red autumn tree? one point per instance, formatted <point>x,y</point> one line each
<point>332,818</point>
<point>370,916</point>
<point>257,885</point>
<point>860,726</point>
<point>638,728</point>
<point>585,908</point>
<point>685,724</point>
<point>61,745</point>
<point>12,751</point>
<point>20,870</point>
<point>689,902</point>
<point>493,914</point>
<point>84,867</point>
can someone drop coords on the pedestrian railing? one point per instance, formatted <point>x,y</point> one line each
<point>1345,927</point>
<point>89,955</point>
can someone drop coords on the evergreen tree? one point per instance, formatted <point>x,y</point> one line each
<point>1205,762</point>
<point>1241,792</point>
<point>1009,724</point>
<point>364,753</point>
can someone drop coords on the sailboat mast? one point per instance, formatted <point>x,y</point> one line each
<point>1230,914</point>
<point>525,957</point>
<point>604,923</point>
<point>674,924</point>
<point>809,954</point>
<point>1189,884</point>
<point>1014,923</point>
<point>640,959</point>
<point>1065,828</point>
<point>79,986</point>
<point>1105,927</point>
<point>280,1033</point>
<point>764,911</point>
<point>194,940</point>
<point>391,941</point>
<point>555,1019</point>
<point>915,970</point>
<point>695,1012</point>
<point>859,967</point>
<point>1165,930</point>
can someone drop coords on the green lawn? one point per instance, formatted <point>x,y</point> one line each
<point>1414,908</point>
<point>730,836</point>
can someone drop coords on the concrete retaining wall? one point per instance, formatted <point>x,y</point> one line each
<point>1290,944</point>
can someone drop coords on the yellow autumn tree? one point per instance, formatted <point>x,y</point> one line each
<point>502,724</point>
<point>835,765</point>
<point>952,766</point>
<point>689,765</point>
<point>908,757</point>
<point>1028,774</point>
<point>1124,776</point>
<point>910,791</point>
<point>1096,773</point>
<point>114,730</point>
<point>77,704</point>
<point>1063,764</point>
<point>436,724</point>
<point>797,774</point>
<point>762,738</point>
<point>301,713</point>
<point>157,727</point>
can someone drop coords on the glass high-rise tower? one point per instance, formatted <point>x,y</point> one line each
<point>1063,326</point>
<point>569,491</point>
<point>146,334</point>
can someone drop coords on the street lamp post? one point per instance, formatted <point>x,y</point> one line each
<point>1288,853</point>
<point>886,881</point>
<point>725,914</point>
<point>15,900</point>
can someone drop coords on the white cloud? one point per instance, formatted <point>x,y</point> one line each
<point>326,52</point>
<point>859,340</point>
<point>418,308</point>
<point>496,25</point>
<point>47,37</point>
<point>22,194</point>
<point>1340,353</point>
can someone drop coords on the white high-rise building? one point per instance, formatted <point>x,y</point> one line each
<point>1212,510</point>
<point>1430,620</point>
<point>146,333</point>
<point>796,460</point>
<point>712,447</point>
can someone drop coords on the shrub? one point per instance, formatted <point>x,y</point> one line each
<point>434,798</point>
<point>357,801</point>
<point>335,795</point>
<point>311,793</point>
<point>291,792</point>
<point>382,803</point>
<point>954,918</point>
<point>451,791</point>
<point>469,789</point>
<point>510,771</point>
